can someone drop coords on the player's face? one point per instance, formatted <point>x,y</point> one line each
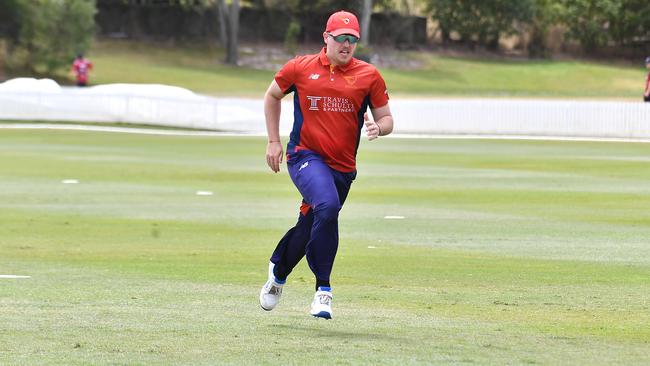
<point>339,53</point>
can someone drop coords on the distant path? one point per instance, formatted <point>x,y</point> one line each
<point>153,131</point>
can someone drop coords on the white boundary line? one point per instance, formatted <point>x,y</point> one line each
<point>14,276</point>
<point>153,131</point>
<point>135,130</point>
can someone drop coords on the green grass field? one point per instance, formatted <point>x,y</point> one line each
<point>199,68</point>
<point>511,252</point>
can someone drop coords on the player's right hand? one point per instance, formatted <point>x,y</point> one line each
<point>274,153</point>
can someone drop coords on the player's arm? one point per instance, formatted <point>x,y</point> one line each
<point>382,124</point>
<point>272,109</point>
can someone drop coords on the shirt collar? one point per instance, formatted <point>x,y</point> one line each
<point>326,62</point>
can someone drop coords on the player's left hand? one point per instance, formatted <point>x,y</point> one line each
<point>372,130</point>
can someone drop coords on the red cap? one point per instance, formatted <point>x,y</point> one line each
<point>343,22</point>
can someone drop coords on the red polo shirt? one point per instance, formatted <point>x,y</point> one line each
<point>329,104</point>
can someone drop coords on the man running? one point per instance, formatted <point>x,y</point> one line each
<point>332,91</point>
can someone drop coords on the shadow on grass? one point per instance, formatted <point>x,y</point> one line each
<point>337,333</point>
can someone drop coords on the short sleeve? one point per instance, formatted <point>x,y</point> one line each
<point>286,76</point>
<point>378,92</point>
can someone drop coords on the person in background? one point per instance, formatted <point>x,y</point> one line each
<point>332,91</point>
<point>81,67</point>
<point>646,93</point>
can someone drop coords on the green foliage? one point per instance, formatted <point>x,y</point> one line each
<point>632,23</point>
<point>481,22</point>
<point>546,13</point>
<point>593,23</point>
<point>51,33</point>
<point>597,23</point>
<point>291,37</point>
<point>588,21</point>
<point>9,17</point>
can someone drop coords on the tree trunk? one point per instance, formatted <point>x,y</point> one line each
<point>492,42</point>
<point>366,14</point>
<point>445,35</point>
<point>133,28</point>
<point>537,45</point>
<point>221,10</point>
<point>233,32</point>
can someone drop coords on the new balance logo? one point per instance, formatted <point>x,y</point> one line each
<point>314,77</point>
<point>303,166</point>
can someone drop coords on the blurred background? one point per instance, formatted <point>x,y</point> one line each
<point>451,66</point>
<point>551,48</point>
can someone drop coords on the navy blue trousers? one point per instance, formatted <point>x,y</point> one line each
<point>316,234</point>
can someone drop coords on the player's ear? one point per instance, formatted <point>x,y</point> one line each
<point>325,37</point>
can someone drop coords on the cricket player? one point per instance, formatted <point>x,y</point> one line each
<point>646,93</point>
<point>81,66</point>
<point>331,91</point>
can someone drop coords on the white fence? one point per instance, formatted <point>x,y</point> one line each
<point>195,112</point>
<point>587,119</point>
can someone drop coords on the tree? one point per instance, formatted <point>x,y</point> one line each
<point>220,9</point>
<point>589,21</point>
<point>232,51</point>
<point>228,16</point>
<point>631,26</point>
<point>366,14</point>
<point>51,32</point>
<point>9,20</point>
<point>546,13</point>
<point>480,22</point>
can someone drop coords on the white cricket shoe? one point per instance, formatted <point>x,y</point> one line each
<point>321,307</point>
<point>271,291</point>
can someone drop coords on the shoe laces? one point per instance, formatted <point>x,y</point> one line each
<point>275,290</point>
<point>272,289</point>
<point>325,299</point>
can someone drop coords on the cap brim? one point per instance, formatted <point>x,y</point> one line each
<point>340,31</point>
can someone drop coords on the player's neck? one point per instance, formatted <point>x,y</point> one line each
<point>339,64</point>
